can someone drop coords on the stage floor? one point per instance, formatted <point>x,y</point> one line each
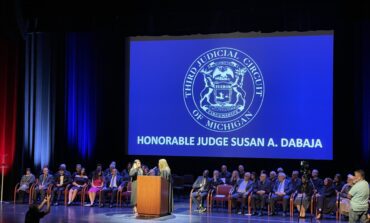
<point>10,213</point>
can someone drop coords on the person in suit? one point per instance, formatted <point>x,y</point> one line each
<point>125,172</point>
<point>326,199</point>
<point>108,171</point>
<point>242,190</point>
<point>135,171</point>
<point>61,180</point>
<point>41,188</point>
<point>165,172</point>
<point>113,184</point>
<point>273,178</point>
<point>27,179</point>
<point>295,180</point>
<point>241,171</point>
<point>317,182</point>
<point>281,192</point>
<point>80,181</point>
<point>225,175</point>
<point>260,194</point>
<point>303,198</point>
<point>200,190</point>
<point>64,167</point>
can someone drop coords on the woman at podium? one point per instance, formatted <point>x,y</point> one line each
<point>165,172</point>
<point>134,172</point>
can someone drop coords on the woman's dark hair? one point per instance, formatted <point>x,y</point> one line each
<point>339,177</point>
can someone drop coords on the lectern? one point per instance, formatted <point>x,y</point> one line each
<point>152,196</point>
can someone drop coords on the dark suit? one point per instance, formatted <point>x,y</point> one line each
<point>317,183</point>
<point>111,187</point>
<point>295,183</point>
<point>42,186</point>
<point>326,200</point>
<point>226,175</point>
<point>241,194</point>
<point>201,187</point>
<point>59,189</point>
<point>287,189</point>
<point>259,200</point>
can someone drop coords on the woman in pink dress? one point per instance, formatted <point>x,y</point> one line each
<point>96,186</point>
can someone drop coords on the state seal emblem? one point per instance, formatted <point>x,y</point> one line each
<point>223,89</point>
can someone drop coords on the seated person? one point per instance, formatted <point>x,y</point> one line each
<point>242,190</point>
<point>337,182</point>
<point>345,205</point>
<point>241,171</point>
<point>34,213</point>
<point>108,171</point>
<point>78,170</point>
<point>41,188</point>
<point>234,178</point>
<point>260,194</point>
<point>216,180</point>
<point>295,181</point>
<point>317,182</point>
<point>273,178</point>
<point>64,167</point>
<point>200,190</point>
<point>326,201</point>
<point>304,194</point>
<point>61,181</point>
<point>79,181</point>
<point>96,186</point>
<point>25,183</point>
<point>281,192</point>
<point>113,184</point>
<point>124,173</point>
<point>225,175</point>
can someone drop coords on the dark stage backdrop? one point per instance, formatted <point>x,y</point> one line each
<point>64,94</point>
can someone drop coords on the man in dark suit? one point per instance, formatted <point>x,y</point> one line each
<point>242,189</point>
<point>318,183</point>
<point>281,191</point>
<point>225,175</point>
<point>41,188</point>
<point>295,181</point>
<point>61,179</point>
<point>260,194</point>
<point>113,183</point>
<point>200,190</point>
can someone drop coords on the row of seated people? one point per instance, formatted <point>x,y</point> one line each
<point>108,182</point>
<point>273,189</point>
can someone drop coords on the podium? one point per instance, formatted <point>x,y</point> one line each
<point>152,196</point>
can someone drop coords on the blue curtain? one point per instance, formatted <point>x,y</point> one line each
<point>39,104</point>
<point>81,92</point>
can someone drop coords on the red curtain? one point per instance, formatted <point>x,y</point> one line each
<point>9,72</point>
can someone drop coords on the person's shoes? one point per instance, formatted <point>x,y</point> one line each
<point>260,214</point>
<point>56,204</point>
<point>284,214</point>
<point>69,203</point>
<point>302,216</point>
<point>202,210</point>
<point>271,214</point>
<point>89,205</point>
<point>101,205</point>
<point>111,206</point>
<point>254,213</point>
<point>239,212</point>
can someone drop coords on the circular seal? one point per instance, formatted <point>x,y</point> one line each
<point>223,89</point>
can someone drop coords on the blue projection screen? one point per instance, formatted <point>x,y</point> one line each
<point>248,97</point>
